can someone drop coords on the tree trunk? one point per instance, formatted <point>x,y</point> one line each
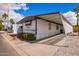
<point>7,27</point>
<point>77,18</point>
<point>77,22</point>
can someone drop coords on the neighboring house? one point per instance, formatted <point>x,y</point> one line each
<point>45,25</point>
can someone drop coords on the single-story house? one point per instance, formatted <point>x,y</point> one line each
<point>45,25</point>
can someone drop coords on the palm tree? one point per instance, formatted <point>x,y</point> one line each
<point>77,11</point>
<point>5,16</point>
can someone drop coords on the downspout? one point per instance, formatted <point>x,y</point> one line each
<point>36,27</point>
<point>22,27</point>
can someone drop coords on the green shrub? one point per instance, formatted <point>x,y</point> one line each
<point>27,36</point>
<point>76,28</point>
<point>24,36</point>
<point>30,37</point>
<point>1,26</point>
<point>20,35</point>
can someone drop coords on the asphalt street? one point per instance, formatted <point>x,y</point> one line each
<point>6,49</point>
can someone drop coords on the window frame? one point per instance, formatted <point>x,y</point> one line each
<point>28,24</point>
<point>50,26</point>
<point>57,27</point>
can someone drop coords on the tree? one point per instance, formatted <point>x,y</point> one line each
<point>12,22</point>
<point>5,16</point>
<point>77,26</point>
<point>77,11</point>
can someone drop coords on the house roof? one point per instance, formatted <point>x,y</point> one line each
<point>53,17</point>
<point>26,19</point>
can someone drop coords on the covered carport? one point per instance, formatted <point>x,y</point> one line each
<point>57,18</point>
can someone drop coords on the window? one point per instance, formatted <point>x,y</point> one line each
<point>57,27</point>
<point>21,27</point>
<point>28,23</point>
<point>49,26</point>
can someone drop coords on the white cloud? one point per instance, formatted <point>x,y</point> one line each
<point>12,14</point>
<point>15,16</point>
<point>13,6</point>
<point>10,7</point>
<point>4,7</point>
<point>18,6</point>
<point>71,17</point>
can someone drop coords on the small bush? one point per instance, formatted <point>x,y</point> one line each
<point>27,36</point>
<point>1,26</point>
<point>76,28</point>
<point>30,37</point>
<point>20,35</point>
<point>24,36</point>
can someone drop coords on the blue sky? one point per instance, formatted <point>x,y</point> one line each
<point>42,8</point>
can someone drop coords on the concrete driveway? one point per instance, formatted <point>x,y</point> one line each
<point>69,46</point>
<point>52,40</point>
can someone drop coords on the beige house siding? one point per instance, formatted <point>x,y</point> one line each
<point>44,31</point>
<point>29,28</point>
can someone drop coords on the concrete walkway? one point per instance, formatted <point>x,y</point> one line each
<point>52,40</point>
<point>68,46</point>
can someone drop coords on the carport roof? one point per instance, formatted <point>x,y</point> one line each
<point>51,17</point>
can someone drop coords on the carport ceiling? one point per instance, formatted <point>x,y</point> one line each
<point>52,17</point>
